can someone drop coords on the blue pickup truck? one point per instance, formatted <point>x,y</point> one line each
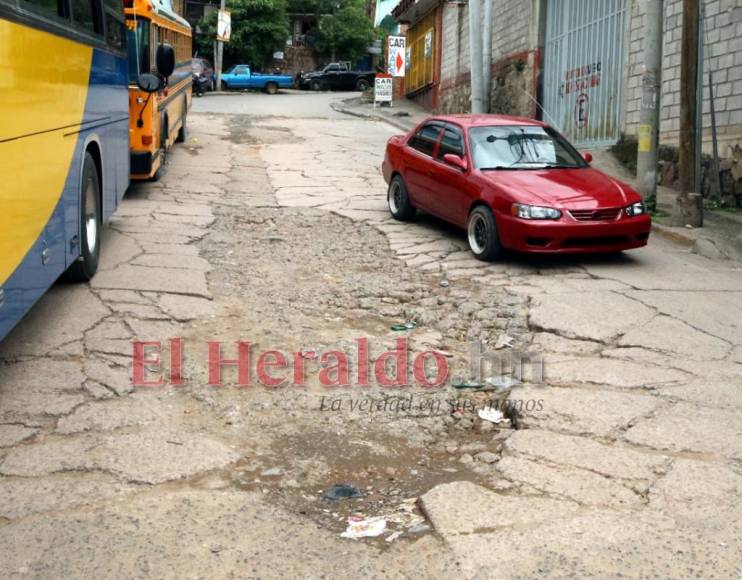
<point>240,77</point>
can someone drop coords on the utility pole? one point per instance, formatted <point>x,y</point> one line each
<point>649,113</point>
<point>475,56</point>
<point>219,54</point>
<point>688,209</point>
<point>487,56</point>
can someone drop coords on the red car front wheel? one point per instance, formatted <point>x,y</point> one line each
<point>481,233</point>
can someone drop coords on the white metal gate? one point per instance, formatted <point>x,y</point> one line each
<point>583,69</point>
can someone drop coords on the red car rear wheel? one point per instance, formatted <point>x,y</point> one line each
<point>398,200</point>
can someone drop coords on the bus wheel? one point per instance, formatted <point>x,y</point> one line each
<point>182,131</point>
<point>91,219</point>
<point>271,88</point>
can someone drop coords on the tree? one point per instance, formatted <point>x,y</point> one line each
<point>346,31</point>
<point>259,28</point>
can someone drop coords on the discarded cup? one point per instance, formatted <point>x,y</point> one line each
<point>364,528</point>
<point>341,491</point>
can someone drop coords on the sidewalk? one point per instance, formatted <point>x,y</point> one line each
<point>403,115</point>
<point>721,236</point>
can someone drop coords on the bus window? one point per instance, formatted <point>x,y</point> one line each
<point>85,15</point>
<point>50,7</point>
<point>114,21</point>
<point>137,45</point>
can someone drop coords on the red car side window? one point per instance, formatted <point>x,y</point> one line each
<point>452,141</point>
<point>425,139</point>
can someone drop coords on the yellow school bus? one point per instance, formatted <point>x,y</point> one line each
<point>158,43</point>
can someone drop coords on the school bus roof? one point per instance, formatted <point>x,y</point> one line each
<point>156,9</point>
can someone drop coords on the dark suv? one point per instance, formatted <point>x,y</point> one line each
<point>202,69</point>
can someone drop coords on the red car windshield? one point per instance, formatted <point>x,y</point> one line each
<point>521,147</point>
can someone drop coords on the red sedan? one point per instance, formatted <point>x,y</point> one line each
<point>512,183</point>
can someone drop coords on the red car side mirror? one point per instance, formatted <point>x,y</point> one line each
<point>587,157</point>
<point>455,160</point>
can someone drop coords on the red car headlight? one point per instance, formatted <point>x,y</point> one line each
<point>636,209</point>
<point>534,212</point>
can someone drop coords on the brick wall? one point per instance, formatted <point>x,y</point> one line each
<point>514,39</point>
<point>723,54</point>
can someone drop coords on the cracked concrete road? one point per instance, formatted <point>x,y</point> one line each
<point>271,227</point>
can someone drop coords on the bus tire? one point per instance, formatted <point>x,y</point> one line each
<point>271,88</point>
<point>91,220</point>
<point>182,132</point>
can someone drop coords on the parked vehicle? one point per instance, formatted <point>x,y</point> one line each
<point>64,140</point>
<point>201,85</point>
<point>513,183</point>
<point>204,73</point>
<point>241,77</point>
<point>158,40</point>
<point>337,76</point>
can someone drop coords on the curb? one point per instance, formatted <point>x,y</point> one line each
<point>673,235</point>
<point>340,109</point>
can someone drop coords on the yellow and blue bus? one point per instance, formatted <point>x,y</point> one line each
<point>64,141</point>
<point>159,42</point>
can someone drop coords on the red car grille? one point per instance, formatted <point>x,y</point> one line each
<point>593,215</point>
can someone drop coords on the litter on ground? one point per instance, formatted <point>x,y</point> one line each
<point>491,414</point>
<point>364,528</point>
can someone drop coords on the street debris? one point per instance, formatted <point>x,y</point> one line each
<point>502,382</point>
<point>445,284</point>
<point>341,491</point>
<point>404,326</point>
<point>272,472</point>
<point>486,457</point>
<point>393,536</point>
<point>504,341</point>
<point>469,384</point>
<point>364,528</point>
<point>492,415</point>
<point>444,353</point>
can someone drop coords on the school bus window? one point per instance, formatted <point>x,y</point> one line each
<point>113,14</point>
<point>114,30</point>
<point>50,7</point>
<point>86,14</point>
<point>137,46</point>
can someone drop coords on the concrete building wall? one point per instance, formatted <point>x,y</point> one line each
<point>515,57</point>
<point>723,54</point>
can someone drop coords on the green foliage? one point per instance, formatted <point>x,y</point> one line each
<point>346,31</point>
<point>259,28</point>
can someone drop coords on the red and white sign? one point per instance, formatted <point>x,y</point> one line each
<point>396,55</point>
